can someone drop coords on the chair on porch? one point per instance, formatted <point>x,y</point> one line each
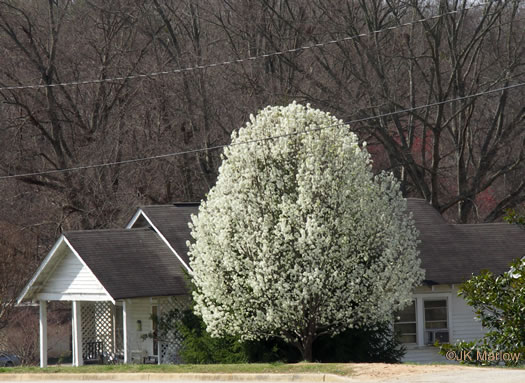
<point>151,359</point>
<point>137,356</point>
<point>94,353</point>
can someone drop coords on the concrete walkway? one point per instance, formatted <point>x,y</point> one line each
<point>471,375</point>
<point>163,377</point>
<point>484,375</point>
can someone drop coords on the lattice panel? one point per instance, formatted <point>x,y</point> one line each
<point>87,321</point>
<point>104,325</point>
<point>97,326</point>
<point>172,341</point>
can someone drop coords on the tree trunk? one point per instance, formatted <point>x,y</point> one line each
<point>306,348</point>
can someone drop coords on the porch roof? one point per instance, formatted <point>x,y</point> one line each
<point>130,263</point>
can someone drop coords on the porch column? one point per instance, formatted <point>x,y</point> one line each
<point>43,333</point>
<point>125,331</point>
<point>78,360</point>
<point>420,322</point>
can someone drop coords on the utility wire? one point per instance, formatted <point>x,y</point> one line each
<point>191,151</point>
<point>241,60</point>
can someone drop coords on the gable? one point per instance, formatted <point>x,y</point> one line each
<point>170,222</point>
<point>62,275</point>
<point>71,280</point>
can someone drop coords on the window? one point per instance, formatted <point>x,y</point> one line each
<point>436,321</point>
<point>405,324</point>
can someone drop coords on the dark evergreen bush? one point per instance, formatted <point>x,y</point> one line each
<point>355,345</point>
<point>360,345</point>
<point>271,350</point>
<point>200,348</point>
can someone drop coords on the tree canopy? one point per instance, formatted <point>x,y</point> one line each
<point>298,238</point>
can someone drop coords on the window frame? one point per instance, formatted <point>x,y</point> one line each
<point>447,319</point>
<point>420,315</point>
<point>414,301</point>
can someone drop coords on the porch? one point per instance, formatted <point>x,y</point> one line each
<point>124,332</point>
<point>117,281</point>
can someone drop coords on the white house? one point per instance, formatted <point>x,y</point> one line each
<point>451,254</point>
<point>118,280</point>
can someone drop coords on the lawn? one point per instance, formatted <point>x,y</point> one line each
<point>252,368</point>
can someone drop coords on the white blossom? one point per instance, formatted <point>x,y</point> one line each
<point>299,231</point>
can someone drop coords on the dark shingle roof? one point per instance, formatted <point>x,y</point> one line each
<point>130,263</point>
<point>172,221</point>
<point>449,253</point>
<point>452,253</point>
<point>424,213</point>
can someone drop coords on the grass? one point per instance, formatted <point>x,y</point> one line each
<point>253,368</point>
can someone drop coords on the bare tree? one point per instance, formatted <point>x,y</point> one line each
<point>451,153</point>
<point>16,263</point>
<point>466,157</point>
<point>58,127</point>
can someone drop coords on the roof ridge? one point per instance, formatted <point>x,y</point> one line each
<point>118,230</point>
<point>500,224</point>
<point>484,224</point>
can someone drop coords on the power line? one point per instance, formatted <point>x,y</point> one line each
<point>241,60</point>
<point>216,147</point>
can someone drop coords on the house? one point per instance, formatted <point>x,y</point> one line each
<point>450,254</point>
<point>119,280</point>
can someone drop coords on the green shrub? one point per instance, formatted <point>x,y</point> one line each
<point>198,347</point>
<point>372,344</point>
<point>356,345</point>
<point>499,303</point>
<point>271,350</point>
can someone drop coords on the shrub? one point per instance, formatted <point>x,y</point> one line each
<point>355,345</point>
<point>200,348</point>
<point>369,344</point>
<point>499,302</point>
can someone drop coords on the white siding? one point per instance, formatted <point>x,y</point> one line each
<point>465,326</point>
<point>139,309</point>
<point>425,355</point>
<point>71,278</point>
<point>462,322</point>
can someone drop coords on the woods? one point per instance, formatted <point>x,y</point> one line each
<point>466,157</point>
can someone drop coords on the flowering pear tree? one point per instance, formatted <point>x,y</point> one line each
<point>298,238</point>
